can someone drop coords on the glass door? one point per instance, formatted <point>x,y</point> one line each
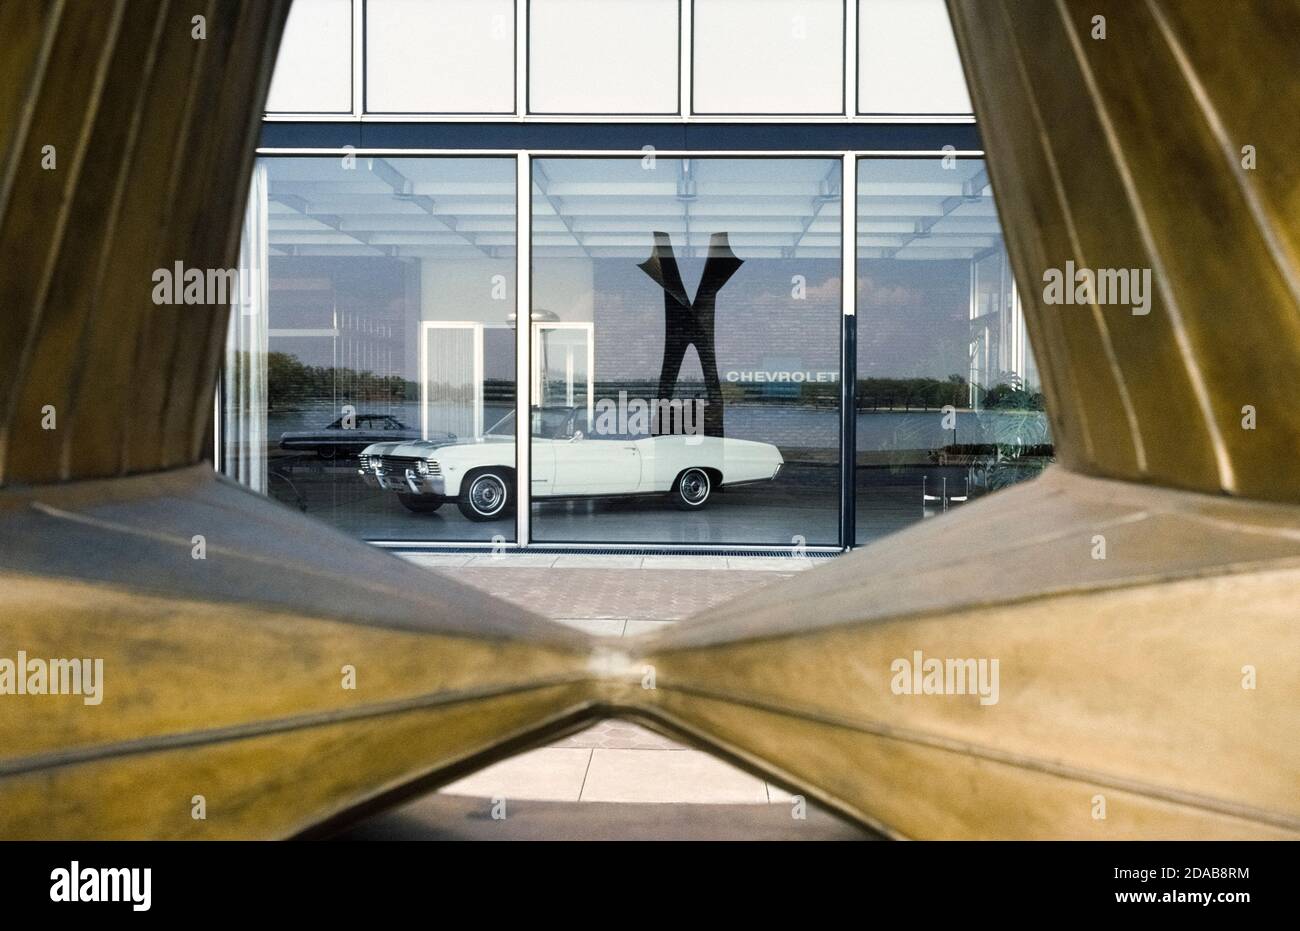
<point>563,355</point>
<point>451,380</point>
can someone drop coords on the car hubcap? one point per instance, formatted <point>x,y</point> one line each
<point>695,486</point>
<point>487,495</point>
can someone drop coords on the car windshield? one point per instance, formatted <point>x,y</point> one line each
<point>503,427</point>
<point>549,424</point>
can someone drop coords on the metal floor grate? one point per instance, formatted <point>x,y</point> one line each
<point>784,553</point>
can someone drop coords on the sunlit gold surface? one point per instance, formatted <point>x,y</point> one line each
<point>1127,152</point>
<point>1120,678</point>
<point>228,677</point>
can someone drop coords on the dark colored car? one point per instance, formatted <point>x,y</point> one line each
<point>337,441</point>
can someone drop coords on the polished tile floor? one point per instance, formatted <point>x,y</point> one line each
<point>617,596</point>
<point>615,780</point>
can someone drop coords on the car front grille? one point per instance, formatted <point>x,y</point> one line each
<point>397,465</point>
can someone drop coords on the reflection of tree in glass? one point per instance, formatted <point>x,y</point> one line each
<point>914,438</point>
<point>289,383</point>
<point>912,394</point>
<point>1014,416</point>
<point>1009,394</point>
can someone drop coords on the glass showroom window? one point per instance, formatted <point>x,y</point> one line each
<point>373,342</point>
<point>685,350</point>
<point>949,401</point>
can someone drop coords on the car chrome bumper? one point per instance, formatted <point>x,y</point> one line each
<point>405,481</point>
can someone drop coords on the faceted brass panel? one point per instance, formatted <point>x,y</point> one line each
<point>153,133</point>
<point>1120,677</point>
<point>1127,152</point>
<point>289,676</point>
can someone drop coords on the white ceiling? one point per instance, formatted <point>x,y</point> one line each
<point>453,208</point>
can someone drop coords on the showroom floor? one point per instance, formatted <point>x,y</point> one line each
<point>803,504</point>
<point>613,761</point>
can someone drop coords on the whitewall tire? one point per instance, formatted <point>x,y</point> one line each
<point>693,489</point>
<point>486,495</point>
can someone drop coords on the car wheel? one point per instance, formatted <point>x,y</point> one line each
<point>421,504</point>
<point>692,490</point>
<point>485,496</point>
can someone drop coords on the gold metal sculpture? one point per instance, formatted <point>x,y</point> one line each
<point>1151,693</point>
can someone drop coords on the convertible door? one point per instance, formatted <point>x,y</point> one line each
<point>542,468</point>
<point>597,467</point>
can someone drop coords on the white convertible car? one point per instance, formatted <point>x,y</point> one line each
<point>566,463</point>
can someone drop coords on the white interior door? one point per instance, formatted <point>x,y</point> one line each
<point>451,379</point>
<point>563,366</point>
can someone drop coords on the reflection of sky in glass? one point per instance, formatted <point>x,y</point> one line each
<point>934,287</point>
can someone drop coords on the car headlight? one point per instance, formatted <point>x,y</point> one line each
<point>422,467</point>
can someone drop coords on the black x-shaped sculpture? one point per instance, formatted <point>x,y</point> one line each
<point>687,322</point>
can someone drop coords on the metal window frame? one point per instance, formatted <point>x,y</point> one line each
<point>859,115</point>
<point>523,348</point>
<point>685,91</point>
<point>843,113</point>
<point>518,82</point>
<point>526,110</point>
<point>688,154</point>
<point>356,79</point>
<point>849,351</point>
<point>850,160</point>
